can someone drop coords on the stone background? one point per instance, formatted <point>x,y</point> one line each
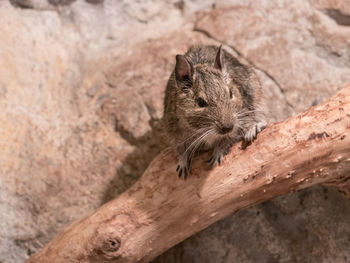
<point>81,92</point>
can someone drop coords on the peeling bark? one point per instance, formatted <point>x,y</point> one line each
<point>160,210</point>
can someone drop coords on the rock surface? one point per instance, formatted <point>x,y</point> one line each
<point>81,93</point>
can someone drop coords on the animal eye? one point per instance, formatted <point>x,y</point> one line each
<point>201,102</point>
<point>230,93</point>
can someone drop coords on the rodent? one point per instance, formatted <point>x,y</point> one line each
<point>211,101</point>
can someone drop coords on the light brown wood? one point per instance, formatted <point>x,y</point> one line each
<point>160,210</point>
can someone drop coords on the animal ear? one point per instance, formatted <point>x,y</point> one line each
<point>183,68</point>
<point>219,60</point>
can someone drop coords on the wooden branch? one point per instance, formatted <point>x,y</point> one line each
<point>161,210</point>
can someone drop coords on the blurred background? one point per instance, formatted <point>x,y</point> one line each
<point>81,96</point>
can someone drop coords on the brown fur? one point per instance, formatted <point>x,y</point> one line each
<point>199,111</point>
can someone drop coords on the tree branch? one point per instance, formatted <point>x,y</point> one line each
<point>160,210</point>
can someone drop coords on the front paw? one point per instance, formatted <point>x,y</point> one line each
<point>215,159</point>
<point>253,131</point>
<point>183,168</point>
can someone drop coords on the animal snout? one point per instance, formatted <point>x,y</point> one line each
<point>225,128</point>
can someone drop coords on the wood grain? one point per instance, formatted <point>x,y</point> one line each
<point>160,210</point>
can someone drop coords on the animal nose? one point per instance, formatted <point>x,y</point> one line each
<point>226,128</point>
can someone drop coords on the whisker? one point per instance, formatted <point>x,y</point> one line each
<point>246,112</point>
<point>196,140</point>
<point>204,117</point>
<point>191,136</point>
<point>198,144</point>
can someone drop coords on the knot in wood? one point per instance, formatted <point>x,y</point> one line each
<point>108,249</point>
<point>111,245</point>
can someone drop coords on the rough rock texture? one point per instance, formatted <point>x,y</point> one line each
<point>81,91</point>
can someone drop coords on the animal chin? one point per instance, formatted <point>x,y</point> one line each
<point>219,134</point>
<point>211,139</point>
<point>225,130</point>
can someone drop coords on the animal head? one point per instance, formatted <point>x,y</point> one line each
<point>207,99</point>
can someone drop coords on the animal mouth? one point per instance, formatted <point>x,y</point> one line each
<point>224,129</point>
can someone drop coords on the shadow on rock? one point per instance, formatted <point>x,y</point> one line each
<point>146,149</point>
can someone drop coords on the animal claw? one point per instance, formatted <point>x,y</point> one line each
<point>252,133</point>
<point>180,173</point>
<point>183,170</point>
<point>209,161</point>
<point>185,174</point>
<point>216,158</point>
